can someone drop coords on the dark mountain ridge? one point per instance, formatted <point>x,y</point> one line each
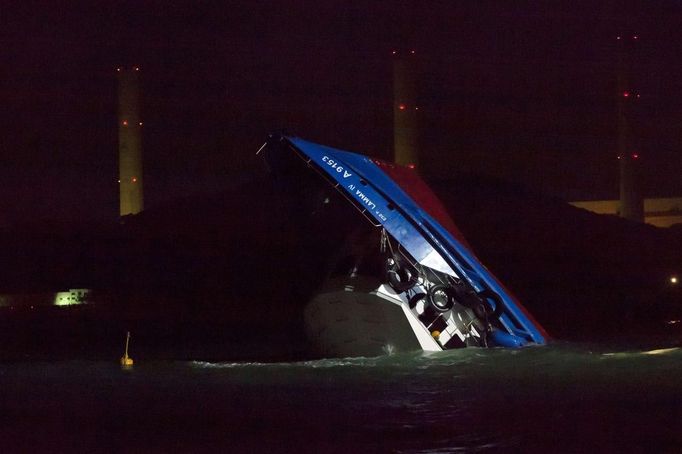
<point>252,256</point>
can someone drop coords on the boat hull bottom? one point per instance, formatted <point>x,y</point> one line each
<point>346,323</point>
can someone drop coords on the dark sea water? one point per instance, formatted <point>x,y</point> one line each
<point>559,398</point>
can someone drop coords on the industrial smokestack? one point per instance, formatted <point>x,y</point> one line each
<point>404,109</point>
<point>631,199</point>
<point>129,142</point>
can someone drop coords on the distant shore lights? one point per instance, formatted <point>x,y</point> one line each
<point>634,155</point>
<point>125,123</point>
<point>395,52</point>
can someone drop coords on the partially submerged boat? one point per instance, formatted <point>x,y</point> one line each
<point>410,280</point>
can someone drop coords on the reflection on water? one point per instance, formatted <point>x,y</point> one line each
<point>568,398</point>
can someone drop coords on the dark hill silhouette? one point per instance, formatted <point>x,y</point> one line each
<point>252,256</point>
<point>582,274</point>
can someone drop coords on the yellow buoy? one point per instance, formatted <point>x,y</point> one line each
<point>127,361</point>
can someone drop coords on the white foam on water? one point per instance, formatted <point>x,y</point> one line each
<point>319,363</point>
<point>630,354</point>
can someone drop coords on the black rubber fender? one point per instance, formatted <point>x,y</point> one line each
<point>401,278</point>
<point>436,299</point>
<point>414,299</point>
<point>482,311</point>
<point>499,307</point>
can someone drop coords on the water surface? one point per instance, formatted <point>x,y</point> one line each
<point>559,398</point>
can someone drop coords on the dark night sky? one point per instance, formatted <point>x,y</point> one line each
<point>525,92</point>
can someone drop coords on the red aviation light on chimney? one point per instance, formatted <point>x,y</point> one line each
<point>402,106</point>
<point>635,156</point>
<point>134,179</point>
<point>635,37</point>
<point>626,94</point>
<point>411,166</point>
<point>125,122</point>
<point>393,52</point>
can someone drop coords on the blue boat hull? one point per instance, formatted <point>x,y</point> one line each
<point>430,272</point>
